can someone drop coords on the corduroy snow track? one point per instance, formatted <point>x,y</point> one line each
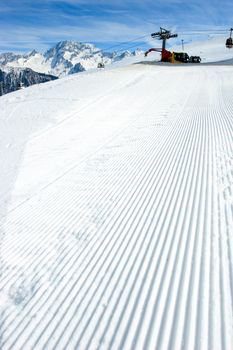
<point>117,211</point>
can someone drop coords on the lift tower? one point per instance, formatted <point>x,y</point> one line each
<point>172,57</point>
<point>164,35</point>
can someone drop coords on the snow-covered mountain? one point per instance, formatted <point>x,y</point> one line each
<point>66,57</point>
<point>14,78</point>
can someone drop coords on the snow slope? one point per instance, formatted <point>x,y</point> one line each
<point>117,211</point>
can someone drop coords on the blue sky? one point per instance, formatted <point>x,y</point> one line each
<point>29,24</point>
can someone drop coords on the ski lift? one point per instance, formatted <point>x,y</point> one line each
<point>229,41</point>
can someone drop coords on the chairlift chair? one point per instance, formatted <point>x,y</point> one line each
<point>229,41</point>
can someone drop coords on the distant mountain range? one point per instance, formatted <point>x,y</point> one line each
<point>66,57</point>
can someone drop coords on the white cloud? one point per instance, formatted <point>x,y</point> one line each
<point>100,31</point>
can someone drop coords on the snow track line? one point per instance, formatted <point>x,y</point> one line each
<point>189,336</point>
<point>175,265</point>
<point>119,259</point>
<point>70,170</point>
<point>52,224</point>
<point>179,307</point>
<point>161,252</point>
<point>224,249</point>
<point>133,315</point>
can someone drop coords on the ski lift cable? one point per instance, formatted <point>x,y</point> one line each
<point>107,48</point>
<point>128,48</point>
<point>207,29</point>
<point>202,33</point>
<point>124,43</point>
<point>204,30</point>
<point>184,32</point>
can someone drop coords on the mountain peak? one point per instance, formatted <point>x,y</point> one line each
<point>33,53</point>
<point>70,46</point>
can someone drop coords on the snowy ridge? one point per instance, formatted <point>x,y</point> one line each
<point>121,237</point>
<point>66,57</point>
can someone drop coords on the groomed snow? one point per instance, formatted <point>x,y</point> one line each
<point>116,226</point>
